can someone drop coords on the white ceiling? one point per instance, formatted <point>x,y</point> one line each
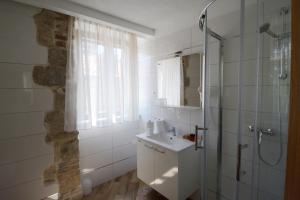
<point>165,16</point>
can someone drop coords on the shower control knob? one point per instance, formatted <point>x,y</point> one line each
<point>268,132</point>
<point>251,128</point>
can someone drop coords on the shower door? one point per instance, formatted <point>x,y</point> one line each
<point>213,113</point>
<point>263,99</point>
<point>273,97</point>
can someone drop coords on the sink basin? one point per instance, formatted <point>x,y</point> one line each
<point>167,140</point>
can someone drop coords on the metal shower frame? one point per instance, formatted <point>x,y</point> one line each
<point>206,31</point>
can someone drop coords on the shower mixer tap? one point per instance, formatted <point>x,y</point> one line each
<point>268,131</point>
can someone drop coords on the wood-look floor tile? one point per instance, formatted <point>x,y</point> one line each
<point>126,187</point>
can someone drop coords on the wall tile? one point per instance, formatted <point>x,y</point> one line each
<point>250,48</point>
<point>25,100</point>
<point>95,144</point>
<point>123,152</point>
<point>230,97</point>
<point>124,166</point>
<point>23,171</point>
<point>29,191</point>
<point>21,21</point>
<point>213,95</point>
<point>18,149</point>
<point>182,115</point>
<point>230,73</point>
<point>245,191</point>
<point>213,78</point>
<point>271,181</point>
<point>96,160</point>
<point>196,117</point>
<point>27,124</point>
<point>212,120</point>
<point>16,76</point>
<point>212,180</point>
<point>232,49</point>
<point>230,120</point>
<point>99,176</point>
<point>228,187</point>
<point>213,50</point>
<point>124,137</point>
<point>249,72</point>
<point>229,166</point>
<point>249,98</point>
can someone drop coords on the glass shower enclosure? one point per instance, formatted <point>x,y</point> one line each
<point>246,104</point>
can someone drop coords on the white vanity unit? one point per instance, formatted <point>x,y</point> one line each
<point>168,164</point>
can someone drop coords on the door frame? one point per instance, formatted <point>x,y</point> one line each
<point>292,181</point>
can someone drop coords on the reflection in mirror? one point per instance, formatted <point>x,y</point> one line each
<point>178,81</point>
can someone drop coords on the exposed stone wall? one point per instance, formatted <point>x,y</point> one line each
<point>52,32</point>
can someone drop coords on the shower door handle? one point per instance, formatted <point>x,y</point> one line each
<point>238,165</point>
<point>196,137</point>
<point>239,158</point>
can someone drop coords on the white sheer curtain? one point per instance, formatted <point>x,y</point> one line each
<point>102,77</point>
<point>170,85</point>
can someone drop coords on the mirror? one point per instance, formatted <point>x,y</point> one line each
<point>178,81</point>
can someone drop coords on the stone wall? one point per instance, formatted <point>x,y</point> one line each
<point>52,32</point>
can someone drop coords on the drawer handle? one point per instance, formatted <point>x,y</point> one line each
<point>159,150</point>
<point>148,146</point>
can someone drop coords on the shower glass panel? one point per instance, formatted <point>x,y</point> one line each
<point>246,93</point>
<point>273,97</point>
<point>263,99</point>
<point>245,155</point>
<point>212,114</point>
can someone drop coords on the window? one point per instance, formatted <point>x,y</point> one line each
<point>106,78</point>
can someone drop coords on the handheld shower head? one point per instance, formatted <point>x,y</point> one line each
<point>265,28</point>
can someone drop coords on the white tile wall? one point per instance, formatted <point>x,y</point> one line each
<point>24,171</point>
<point>22,76</point>
<point>101,175</point>
<point>13,150</point>
<point>27,124</point>
<point>230,74</point>
<point>25,100</point>
<point>108,152</point>
<point>23,152</point>
<point>18,35</point>
<point>96,160</point>
<point>28,191</point>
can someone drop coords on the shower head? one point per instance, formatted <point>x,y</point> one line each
<point>265,28</point>
<point>202,14</point>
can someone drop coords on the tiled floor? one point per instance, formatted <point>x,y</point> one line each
<point>126,187</point>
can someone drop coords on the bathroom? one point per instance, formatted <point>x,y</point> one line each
<point>153,100</point>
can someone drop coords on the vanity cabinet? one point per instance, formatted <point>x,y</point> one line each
<point>176,175</point>
<point>145,162</point>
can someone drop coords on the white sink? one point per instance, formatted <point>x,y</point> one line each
<point>167,140</point>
